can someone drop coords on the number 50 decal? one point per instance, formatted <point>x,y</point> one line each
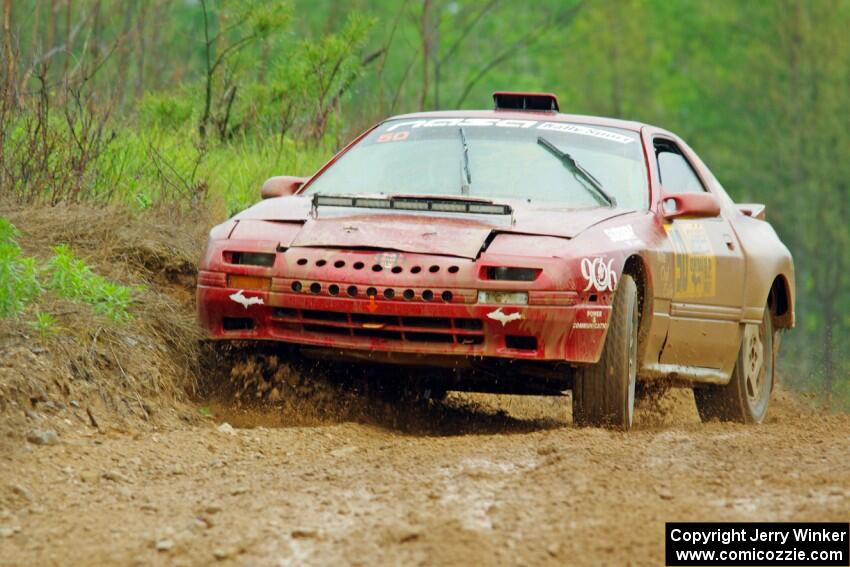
<point>393,136</point>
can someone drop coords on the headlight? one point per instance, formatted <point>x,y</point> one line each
<point>503,297</point>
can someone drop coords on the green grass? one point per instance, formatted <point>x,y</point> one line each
<point>19,284</point>
<point>23,281</point>
<point>71,278</point>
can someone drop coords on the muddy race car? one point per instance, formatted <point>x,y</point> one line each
<point>515,250</point>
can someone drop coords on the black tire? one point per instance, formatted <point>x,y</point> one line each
<point>746,397</point>
<point>604,393</point>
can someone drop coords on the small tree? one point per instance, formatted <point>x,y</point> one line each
<point>237,25</point>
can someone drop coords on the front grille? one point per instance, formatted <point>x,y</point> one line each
<point>443,330</point>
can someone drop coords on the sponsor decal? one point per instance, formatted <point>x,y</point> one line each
<point>388,260</point>
<point>585,131</point>
<point>504,318</point>
<point>623,234</point>
<point>245,302</point>
<point>473,122</point>
<point>598,274</point>
<point>694,266</point>
<point>593,320</point>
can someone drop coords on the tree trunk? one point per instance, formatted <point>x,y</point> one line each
<point>124,56</point>
<point>425,31</point>
<point>140,56</point>
<point>11,65</point>
<point>68,37</point>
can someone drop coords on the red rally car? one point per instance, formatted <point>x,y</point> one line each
<point>532,250</point>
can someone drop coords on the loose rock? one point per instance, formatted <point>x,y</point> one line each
<point>226,428</point>
<point>45,437</point>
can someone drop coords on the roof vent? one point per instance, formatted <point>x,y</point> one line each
<point>506,100</point>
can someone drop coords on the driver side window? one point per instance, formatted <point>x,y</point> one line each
<point>676,174</point>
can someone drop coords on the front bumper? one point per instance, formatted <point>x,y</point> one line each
<point>573,333</point>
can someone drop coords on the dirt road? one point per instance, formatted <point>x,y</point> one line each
<point>484,480</point>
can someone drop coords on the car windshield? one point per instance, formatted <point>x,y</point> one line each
<point>492,158</point>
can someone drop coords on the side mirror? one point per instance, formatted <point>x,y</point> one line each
<point>281,186</point>
<point>689,205</point>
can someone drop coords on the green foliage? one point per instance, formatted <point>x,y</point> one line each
<point>18,274</point>
<point>72,279</point>
<point>168,111</point>
<point>45,325</point>
<point>68,277</point>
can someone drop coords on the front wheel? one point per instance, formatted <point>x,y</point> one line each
<point>746,397</point>
<point>604,393</point>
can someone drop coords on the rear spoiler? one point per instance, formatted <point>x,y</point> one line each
<point>507,100</point>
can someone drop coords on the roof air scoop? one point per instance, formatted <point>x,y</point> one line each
<point>534,102</point>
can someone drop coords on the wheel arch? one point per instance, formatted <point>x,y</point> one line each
<point>637,267</point>
<point>780,301</point>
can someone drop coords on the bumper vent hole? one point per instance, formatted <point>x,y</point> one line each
<point>396,269</point>
<point>333,289</point>
<point>447,296</point>
<point>518,342</point>
<point>351,291</point>
<point>408,294</point>
<point>358,265</point>
<point>427,295</point>
<point>321,263</point>
<point>301,261</point>
<point>389,293</point>
<point>237,323</point>
<point>316,287</point>
<point>415,270</point>
<point>296,286</point>
<point>339,264</point>
<point>434,269</point>
<point>453,269</point>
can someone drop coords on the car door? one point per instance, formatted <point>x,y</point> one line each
<point>708,272</point>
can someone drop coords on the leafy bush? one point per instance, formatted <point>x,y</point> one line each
<point>18,274</point>
<point>72,279</point>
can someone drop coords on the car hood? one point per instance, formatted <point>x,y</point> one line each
<point>452,234</point>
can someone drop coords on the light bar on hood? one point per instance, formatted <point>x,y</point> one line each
<point>373,203</point>
<point>410,205</point>
<point>440,204</point>
<point>334,201</point>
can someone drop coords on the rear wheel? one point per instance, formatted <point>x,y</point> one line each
<point>604,393</point>
<point>747,395</point>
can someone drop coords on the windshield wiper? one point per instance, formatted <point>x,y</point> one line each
<point>578,171</point>
<point>467,177</point>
